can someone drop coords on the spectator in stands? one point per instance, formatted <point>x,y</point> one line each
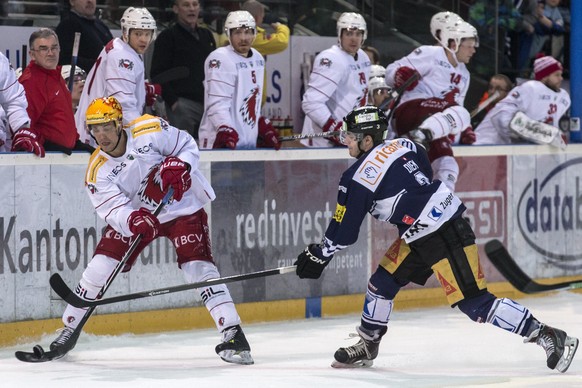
<point>119,71</point>
<point>13,111</point>
<point>187,44</point>
<point>94,33</point>
<point>372,53</point>
<point>498,83</point>
<point>78,83</point>
<point>49,100</point>
<point>550,24</point>
<point>233,85</point>
<point>528,11</point>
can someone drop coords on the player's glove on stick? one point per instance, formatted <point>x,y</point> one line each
<point>468,136</point>
<point>226,137</point>
<point>311,263</point>
<point>402,75</point>
<point>332,125</point>
<point>27,139</point>
<point>143,222</point>
<point>176,173</point>
<point>152,92</point>
<point>268,135</point>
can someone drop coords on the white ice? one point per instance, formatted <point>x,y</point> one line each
<point>436,347</point>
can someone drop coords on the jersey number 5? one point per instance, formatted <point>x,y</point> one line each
<point>254,76</point>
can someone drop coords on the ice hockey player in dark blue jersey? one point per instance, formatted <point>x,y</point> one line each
<point>392,180</point>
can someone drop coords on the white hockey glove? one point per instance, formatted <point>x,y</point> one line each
<point>536,131</point>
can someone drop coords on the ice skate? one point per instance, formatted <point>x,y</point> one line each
<point>234,347</point>
<point>65,337</point>
<point>560,348</point>
<point>360,355</point>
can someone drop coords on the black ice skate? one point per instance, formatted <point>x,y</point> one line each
<point>360,355</point>
<point>64,339</point>
<point>560,348</point>
<point>234,346</point>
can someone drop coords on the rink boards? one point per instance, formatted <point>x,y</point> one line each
<point>269,206</point>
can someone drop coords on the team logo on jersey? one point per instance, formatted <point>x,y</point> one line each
<point>92,188</point>
<point>325,62</point>
<point>150,189</point>
<point>340,210</point>
<point>408,220</point>
<point>214,64</point>
<point>126,64</point>
<point>248,110</point>
<point>435,213</point>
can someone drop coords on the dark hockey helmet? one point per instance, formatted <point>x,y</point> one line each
<point>362,121</point>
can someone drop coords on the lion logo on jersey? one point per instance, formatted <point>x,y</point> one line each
<point>150,189</point>
<point>248,110</point>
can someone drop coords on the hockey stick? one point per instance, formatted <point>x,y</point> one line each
<point>309,136</point>
<point>485,104</point>
<point>505,264</point>
<point>396,94</point>
<point>73,299</point>
<point>172,74</point>
<point>38,354</point>
<point>74,60</point>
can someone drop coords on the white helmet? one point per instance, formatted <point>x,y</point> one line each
<point>139,18</point>
<point>351,20</point>
<point>66,71</point>
<point>238,19</point>
<point>456,33</point>
<point>375,83</point>
<point>377,71</point>
<point>441,20</point>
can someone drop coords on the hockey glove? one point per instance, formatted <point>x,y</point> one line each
<point>143,222</point>
<point>176,173</point>
<point>331,125</point>
<point>27,139</point>
<point>421,136</point>
<point>311,263</point>
<point>152,92</point>
<point>468,136</point>
<point>402,75</point>
<point>226,137</point>
<point>268,135</point>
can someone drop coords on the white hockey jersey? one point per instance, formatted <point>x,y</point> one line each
<point>12,96</point>
<point>534,99</point>
<point>338,83</point>
<point>233,88</point>
<point>118,72</point>
<point>118,186</point>
<point>438,78</point>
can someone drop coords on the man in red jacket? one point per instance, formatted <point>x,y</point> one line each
<point>49,101</point>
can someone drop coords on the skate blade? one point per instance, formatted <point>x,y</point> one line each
<point>242,358</point>
<point>357,364</point>
<point>570,347</point>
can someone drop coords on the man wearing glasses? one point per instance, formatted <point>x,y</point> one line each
<point>52,125</point>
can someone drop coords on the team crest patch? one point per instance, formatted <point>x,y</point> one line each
<point>92,188</point>
<point>408,220</point>
<point>340,210</point>
<point>326,62</point>
<point>435,213</point>
<point>214,64</point>
<point>126,64</point>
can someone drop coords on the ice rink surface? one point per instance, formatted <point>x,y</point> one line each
<point>436,347</point>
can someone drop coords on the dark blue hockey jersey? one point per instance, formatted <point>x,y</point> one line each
<point>393,182</point>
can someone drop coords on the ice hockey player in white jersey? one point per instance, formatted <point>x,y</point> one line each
<point>393,181</point>
<point>119,70</point>
<point>531,111</point>
<point>233,87</point>
<point>126,179</point>
<point>432,106</point>
<point>338,82</point>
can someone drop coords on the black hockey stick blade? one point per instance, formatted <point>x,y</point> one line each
<point>61,288</point>
<point>41,356</point>
<point>502,260</point>
<point>397,93</point>
<point>172,74</point>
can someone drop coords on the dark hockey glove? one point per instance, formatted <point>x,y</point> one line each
<point>331,125</point>
<point>152,92</point>
<point>143,222</point>
<point>176,173</point>
<point>468,136</point>
<point>402,75</point>
<point>268,135</point>
<point>226,137</point>
<point>311,263</point>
